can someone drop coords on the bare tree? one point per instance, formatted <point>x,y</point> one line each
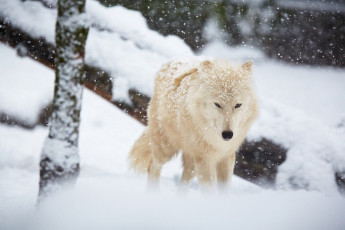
<point>59,163</point>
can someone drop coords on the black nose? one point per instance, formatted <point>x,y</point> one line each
<point>227,135</point>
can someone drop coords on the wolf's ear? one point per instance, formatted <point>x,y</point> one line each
<point>177,80</point>
<point>247,67</point>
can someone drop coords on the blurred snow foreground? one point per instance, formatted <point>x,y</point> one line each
<point>107,196</point>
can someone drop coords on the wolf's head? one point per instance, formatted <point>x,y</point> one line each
<point>221,100</point>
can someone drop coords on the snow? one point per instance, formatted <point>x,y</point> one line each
<point>172,212</point>
<point>318,92</point>
<point>27,14</point>
<point>315,151</point>
<point>302,108</point>
<point>219,49</point>
<point>26,101</point>
<point>131,25</point>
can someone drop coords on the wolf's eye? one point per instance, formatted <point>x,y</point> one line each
<point>218,105</point>
<point>237,106</point>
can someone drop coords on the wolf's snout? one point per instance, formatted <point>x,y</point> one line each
<point>227,135</point>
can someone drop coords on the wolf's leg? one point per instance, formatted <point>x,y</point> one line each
<point>205,171</point>
<point>154,170</point>
<point>162,152</point>
<point>188,169</point>
<point>225,169</point>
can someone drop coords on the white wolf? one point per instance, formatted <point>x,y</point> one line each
<point>203,108</point>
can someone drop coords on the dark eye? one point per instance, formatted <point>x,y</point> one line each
<point>218,105</point>
<point>237,106</point>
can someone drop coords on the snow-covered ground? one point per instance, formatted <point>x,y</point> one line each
<point>302,108</point>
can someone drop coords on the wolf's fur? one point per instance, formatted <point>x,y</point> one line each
<point>182,115</point>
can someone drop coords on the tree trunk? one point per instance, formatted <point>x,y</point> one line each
<point>59,163</point>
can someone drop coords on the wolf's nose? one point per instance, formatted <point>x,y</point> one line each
<point>227,135</point>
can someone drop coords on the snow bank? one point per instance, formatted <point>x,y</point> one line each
<point>315,151</point>
<point>22,95</point>
<point>131,25</point>
<point>319,92</point>
<point>31,17</point>
<point>23,156</point>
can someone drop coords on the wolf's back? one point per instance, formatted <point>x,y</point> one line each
<point>140,157</point>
